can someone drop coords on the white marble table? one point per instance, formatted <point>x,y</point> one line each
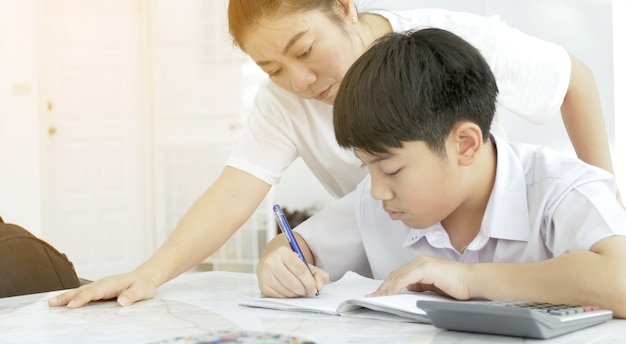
<point>197,303</point>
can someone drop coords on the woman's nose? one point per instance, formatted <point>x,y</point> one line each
<point>301,78</point>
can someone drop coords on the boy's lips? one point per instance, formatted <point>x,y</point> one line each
<point>394,215</point>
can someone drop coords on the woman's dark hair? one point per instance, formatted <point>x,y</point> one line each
<point>413,86</point>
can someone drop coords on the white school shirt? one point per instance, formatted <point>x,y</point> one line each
<point>542,205</point>
<point>532,77</point>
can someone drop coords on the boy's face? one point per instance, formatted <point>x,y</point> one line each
<point>416,185</point>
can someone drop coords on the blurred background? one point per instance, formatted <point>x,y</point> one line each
<point>115,115</point>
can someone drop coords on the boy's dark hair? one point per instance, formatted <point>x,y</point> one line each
<point>413,86</point>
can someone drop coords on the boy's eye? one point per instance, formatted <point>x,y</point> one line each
<point>392,174</point>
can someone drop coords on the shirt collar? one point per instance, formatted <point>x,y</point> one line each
<point>506,215</point>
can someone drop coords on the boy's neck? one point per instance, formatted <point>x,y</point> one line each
<point>464,223</point>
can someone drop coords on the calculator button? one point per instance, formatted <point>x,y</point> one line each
<point>590,308</point>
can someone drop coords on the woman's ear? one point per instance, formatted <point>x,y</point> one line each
<point>467,138</point>
<point>348,8</point>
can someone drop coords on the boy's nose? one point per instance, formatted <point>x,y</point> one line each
<point>380,191</point>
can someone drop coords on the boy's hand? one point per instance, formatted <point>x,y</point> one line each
<point>281,273</point>
<point>442,276</point>
<point>127,288</point>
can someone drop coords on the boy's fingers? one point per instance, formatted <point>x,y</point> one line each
<point>321,277</point>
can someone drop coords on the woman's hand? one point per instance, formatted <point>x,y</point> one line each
<point>127,288</point>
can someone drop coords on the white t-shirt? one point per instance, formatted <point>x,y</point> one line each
<point>542,205</point>
<point>532,77</point>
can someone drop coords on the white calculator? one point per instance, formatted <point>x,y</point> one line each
<point>513,318</point>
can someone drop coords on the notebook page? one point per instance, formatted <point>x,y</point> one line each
<point>351,285</point>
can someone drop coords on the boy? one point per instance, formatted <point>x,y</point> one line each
<point>448,207</point>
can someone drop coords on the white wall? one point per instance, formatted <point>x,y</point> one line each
<point>583,27</point>
<point>472,6</point>
<point>20,184</point>
<point>619,74</point>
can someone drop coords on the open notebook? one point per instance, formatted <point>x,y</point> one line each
<point>346,297</point>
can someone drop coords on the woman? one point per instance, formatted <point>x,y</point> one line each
<point>306,47</point>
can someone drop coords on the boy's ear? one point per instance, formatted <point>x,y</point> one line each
<point>468,140</point>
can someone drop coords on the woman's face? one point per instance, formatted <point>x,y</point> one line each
<point>306,53</point>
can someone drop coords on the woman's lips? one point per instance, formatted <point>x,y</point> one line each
<point>323,95</point>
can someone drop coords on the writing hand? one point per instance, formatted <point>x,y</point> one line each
<point>281,273</point>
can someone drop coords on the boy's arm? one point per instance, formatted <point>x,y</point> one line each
<point>596,277</point>
<point>281,273</point>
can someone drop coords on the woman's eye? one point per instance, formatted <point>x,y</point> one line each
<point>275,72</point>
<point>305,54</point>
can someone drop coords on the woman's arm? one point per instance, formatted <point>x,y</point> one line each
<point>582,116</point>
<point>215,216</point>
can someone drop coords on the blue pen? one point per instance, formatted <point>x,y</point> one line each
<point>286,229</point>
